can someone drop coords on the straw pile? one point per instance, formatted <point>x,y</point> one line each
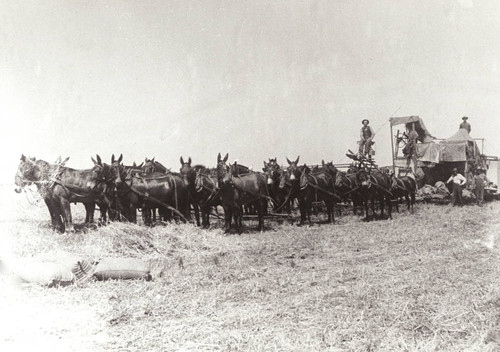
<point>421,282</point>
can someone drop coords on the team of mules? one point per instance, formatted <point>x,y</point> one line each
<point>120,191</point>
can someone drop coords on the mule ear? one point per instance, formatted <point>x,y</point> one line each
<point>93,160</point>
<point>23,158</point>
<point>181,160</point>
<point>65,160</point>
<point>140,165</point>
<point>226,157</point>
<point>265,164</point>
<point>99,159</point>
<point>322,163</point>
<point>112,158</point>
<point>120,158</point>
<point>289,162</point>
<point>153,160</point>
<point>134,164</point>
<point>297,161</point>
<point>189,161</point>
<point>218,158</point>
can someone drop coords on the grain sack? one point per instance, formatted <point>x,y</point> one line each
<point>122,269</point>
<point>44,273</point>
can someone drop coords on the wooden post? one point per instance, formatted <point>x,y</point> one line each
<point>498,172</point>
<point>392,150</point>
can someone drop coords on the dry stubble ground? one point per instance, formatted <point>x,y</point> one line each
<point>422,282</point>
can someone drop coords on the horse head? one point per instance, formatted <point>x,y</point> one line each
<point>394,181</point>
<point>293,170</point>
<point>149,166</point>
<point>339,179</point>
<point>284,179</point>
<point>330,168</point>
<point>363,178</point>
<point>238,169</point>
<point>187,172</point>
<point>117,169</point>
<point>27,172</point>
<point>303,176</point>
<point>198,181</point>
<point>223,170</point>
<point>271,171</point>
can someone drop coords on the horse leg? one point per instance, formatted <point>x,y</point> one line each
<point>238,216</point>
<point>309,209</point>
<point>381,201</point>
<point>55,214</point>
<point>66,213</point>
<point>204,216</point>
<point>412,196</point>
<point>366,200</point>
<point>228,214</point>
<point>302,209</point>
<point>103,209</point>
<point>196,209</point>
<point>330,207</point>
<point>146,216</point>
<point>186,210</point>
<point>89,210</point>
<point>389,207</point>
<point>132,214</point>
<point>261,210</point>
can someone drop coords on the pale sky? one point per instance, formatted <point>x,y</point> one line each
<point>255,79</point>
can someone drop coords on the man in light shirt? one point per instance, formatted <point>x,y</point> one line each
<point>458,182</point>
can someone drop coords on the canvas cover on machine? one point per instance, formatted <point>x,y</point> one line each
<point>459,147</point>
<point>423,135</point>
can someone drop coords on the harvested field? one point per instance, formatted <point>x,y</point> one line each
<point>423,282</point>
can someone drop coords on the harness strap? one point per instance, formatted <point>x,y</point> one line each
<point>157,201</point>
<point>175,192</point>
<point>382,188</point>
<point>68,187</point>
<point>258,195</point>
<point>287,199</point>
<point>325,191</point>
<point>213,192</point>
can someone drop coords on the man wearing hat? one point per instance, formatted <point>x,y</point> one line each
<point>366,135</point>
<point>458,182</point>
<point>465,125</point>
<point>480,182</point>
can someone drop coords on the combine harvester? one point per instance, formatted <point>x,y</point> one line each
<point>434,158</point>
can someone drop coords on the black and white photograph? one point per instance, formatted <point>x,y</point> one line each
<point>301,175</point>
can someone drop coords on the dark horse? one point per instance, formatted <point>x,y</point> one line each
<point>374,185</point>
<point>151,169</point>
<point>404,186</point>
<point>60,186</point>
<point>239,190</point>
<point>280,196</point>
<point>206,194</point>
<point>347,188</point>
<point>290,179</point>
<point>122,204</point>
<point>167,192</point>
<point>198,196</point>
<point>315,187</point>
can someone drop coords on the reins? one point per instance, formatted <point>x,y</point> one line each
<point>315,186</point>
<point>148,197</point>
